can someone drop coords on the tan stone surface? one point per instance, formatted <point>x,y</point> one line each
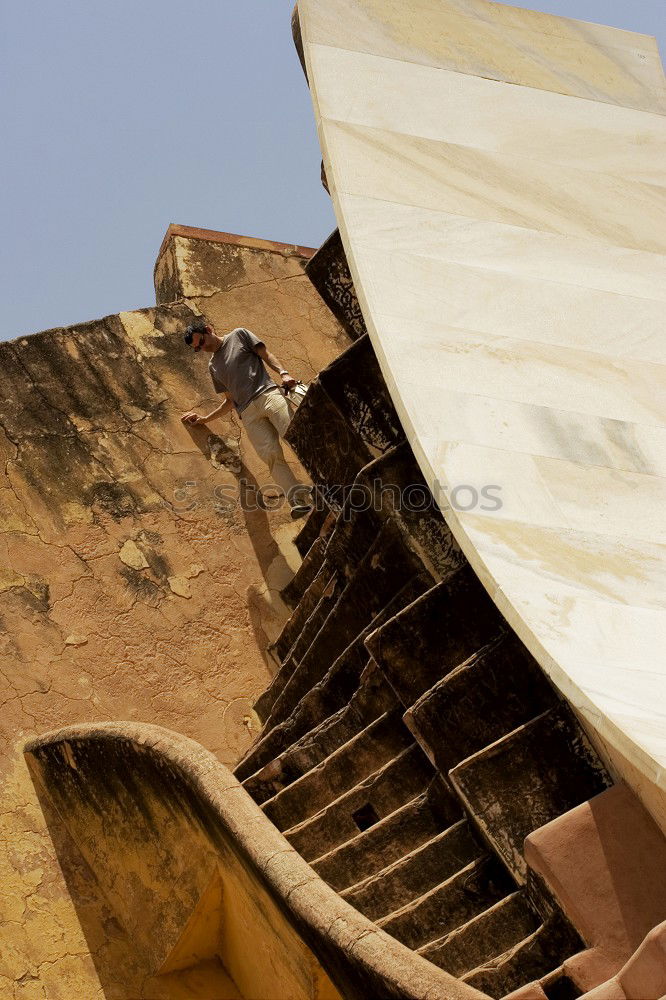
<point>197,872</point>
<point>129,588</point>
<point>605,862</point>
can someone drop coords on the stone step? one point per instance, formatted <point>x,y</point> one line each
<point>327,445</point>
<point>371,699</point>
<point>294,624</point>
<point>526,779</point>
<point>489,695</point>
<point>317,705</point>
<point>355,384</point>
<point>379,577</point>
<point>328,588</point>
<point>464,895</point>
<point>353,534</point>
<point>419,871</point>
<point>330,596</point>
<point>329,272</point>
<point>351,537</point>
<point>347,542</point>
<point>363,755</point>
<point>307,571</point>
<point>361,807</point>
<point>434,635</point>
<point>397,489</point>
<point>319,522</point>
<point>334,691</point>
<point>405,829</point>
<point>490,933</point>
<point>530,959</point>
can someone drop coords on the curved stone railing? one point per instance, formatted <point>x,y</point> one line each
<point>498,180</point>
<point>194,872</point>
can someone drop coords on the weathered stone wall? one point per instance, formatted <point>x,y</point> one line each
<point>234,282</point>
<point>166,843</point>
<point>209,886</point>
<point>129,587</point>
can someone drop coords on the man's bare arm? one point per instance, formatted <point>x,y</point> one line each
<point>192,417</point>
<point>275,365</point>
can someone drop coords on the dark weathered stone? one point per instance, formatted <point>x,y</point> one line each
<point>538,954</point>
<point>534,774</point>
<point>295,623</point>
<point>339,682</point>
<point>320,521</point>
<point>329,272</point>
<point>334,690</point>
<point>490,694</point>
<point>298,38</point>
<point>467,893</point>
<point>365,753</point>
<point>307,571</point>
<point>371,699</point>
<point>484,937</point>
<point>406,829</point>
<point>354,533</point>
<point>319,616</point>
<point>396,782</point>
<point>398,490</point>
<point>416,873</point>
<point>355,385</point>
<point>557,985</point>
<point>327,445</point>
<point>379,577</point>
<point>320,702</point>
<point>328,587</point>
<point>435,634</point>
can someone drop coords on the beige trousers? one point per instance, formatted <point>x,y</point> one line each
<point>266,420</point>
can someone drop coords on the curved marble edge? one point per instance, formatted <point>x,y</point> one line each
<point>583,704</point>
<point>289,879</point>
<point>577,697</point>
<point>600,724</point>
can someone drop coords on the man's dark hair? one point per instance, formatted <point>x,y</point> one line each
<point>198,326</point>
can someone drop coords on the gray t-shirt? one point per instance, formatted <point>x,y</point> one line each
<point>236,369</point>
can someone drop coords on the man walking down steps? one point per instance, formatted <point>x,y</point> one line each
<point>237,369</point>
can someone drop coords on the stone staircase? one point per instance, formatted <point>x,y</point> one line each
<point>410,743</point>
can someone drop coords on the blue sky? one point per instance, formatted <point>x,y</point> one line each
<point>119,118</point>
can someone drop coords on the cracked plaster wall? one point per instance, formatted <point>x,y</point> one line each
<point>129,589</point>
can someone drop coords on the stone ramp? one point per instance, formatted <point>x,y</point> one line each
<point>498,179</point>
<point>467,148</point>
<point>410,741</point>
<point>207,883</point>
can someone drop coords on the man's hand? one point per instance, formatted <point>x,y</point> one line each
<point>288,382</point>
<point>192,417</point>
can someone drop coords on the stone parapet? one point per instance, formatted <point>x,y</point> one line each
<point>159,819</point>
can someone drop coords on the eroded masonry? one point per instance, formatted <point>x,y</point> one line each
<point>403,749</point>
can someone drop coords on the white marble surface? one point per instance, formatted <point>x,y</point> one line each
<point>478,298</point>
<point>498,42</point>
<point>432,103</point>
<point>499,178</point>
<point>499,187</point>
<point>492,246</point>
